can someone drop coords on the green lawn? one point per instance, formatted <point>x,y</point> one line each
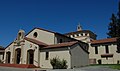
<point>113,66</point>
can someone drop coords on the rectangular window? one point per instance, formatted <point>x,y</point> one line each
<point>47,56</point>
<point>61,40</point>
<point>96,50</point>
<point>106,49</point>
<point>3,56</point>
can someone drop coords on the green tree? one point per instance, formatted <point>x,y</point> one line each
<point>112,27</point>
<point>118,29</point>
<point>118,21</point>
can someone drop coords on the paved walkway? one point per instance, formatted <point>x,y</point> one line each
<point>98,68</point>
<point>90,68</point>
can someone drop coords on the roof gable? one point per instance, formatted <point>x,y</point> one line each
<point>35,41</point>
<point>40,29</point>
<point>55,34</point>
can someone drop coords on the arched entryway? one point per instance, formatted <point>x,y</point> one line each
<point>17,56</point>
<point>30,56</point>
<point>8,55</point>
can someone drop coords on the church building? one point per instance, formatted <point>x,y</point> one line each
<point>40,45</point>
<point>102,51</point>
<point>79,48</point>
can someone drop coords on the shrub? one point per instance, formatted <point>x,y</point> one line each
<point>58,64</point>
<point>63,64</point>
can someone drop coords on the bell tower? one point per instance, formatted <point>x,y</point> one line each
<point>20,37</point>
<point>79,27</point>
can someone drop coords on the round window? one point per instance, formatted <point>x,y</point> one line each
<point>35,34</point>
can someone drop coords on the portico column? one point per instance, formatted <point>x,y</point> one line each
<point>22,53</point>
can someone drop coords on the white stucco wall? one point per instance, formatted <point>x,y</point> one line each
<point>43,36</point>
<point>101,50</point>
<point>62,54</point>
<point>79,57</point>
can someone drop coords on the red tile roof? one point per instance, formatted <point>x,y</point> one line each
<point>107,40</point>
<point>65,44</point>
<point>35,41</point>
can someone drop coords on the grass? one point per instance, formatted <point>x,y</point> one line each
<point>113,66</point>
<point>117,66</point>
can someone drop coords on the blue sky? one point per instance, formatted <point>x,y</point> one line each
<point>57,15</point>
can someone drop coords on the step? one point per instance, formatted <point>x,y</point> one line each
<point>19,65</point>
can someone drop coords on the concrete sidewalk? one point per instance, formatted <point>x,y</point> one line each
<point>89,68</point>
